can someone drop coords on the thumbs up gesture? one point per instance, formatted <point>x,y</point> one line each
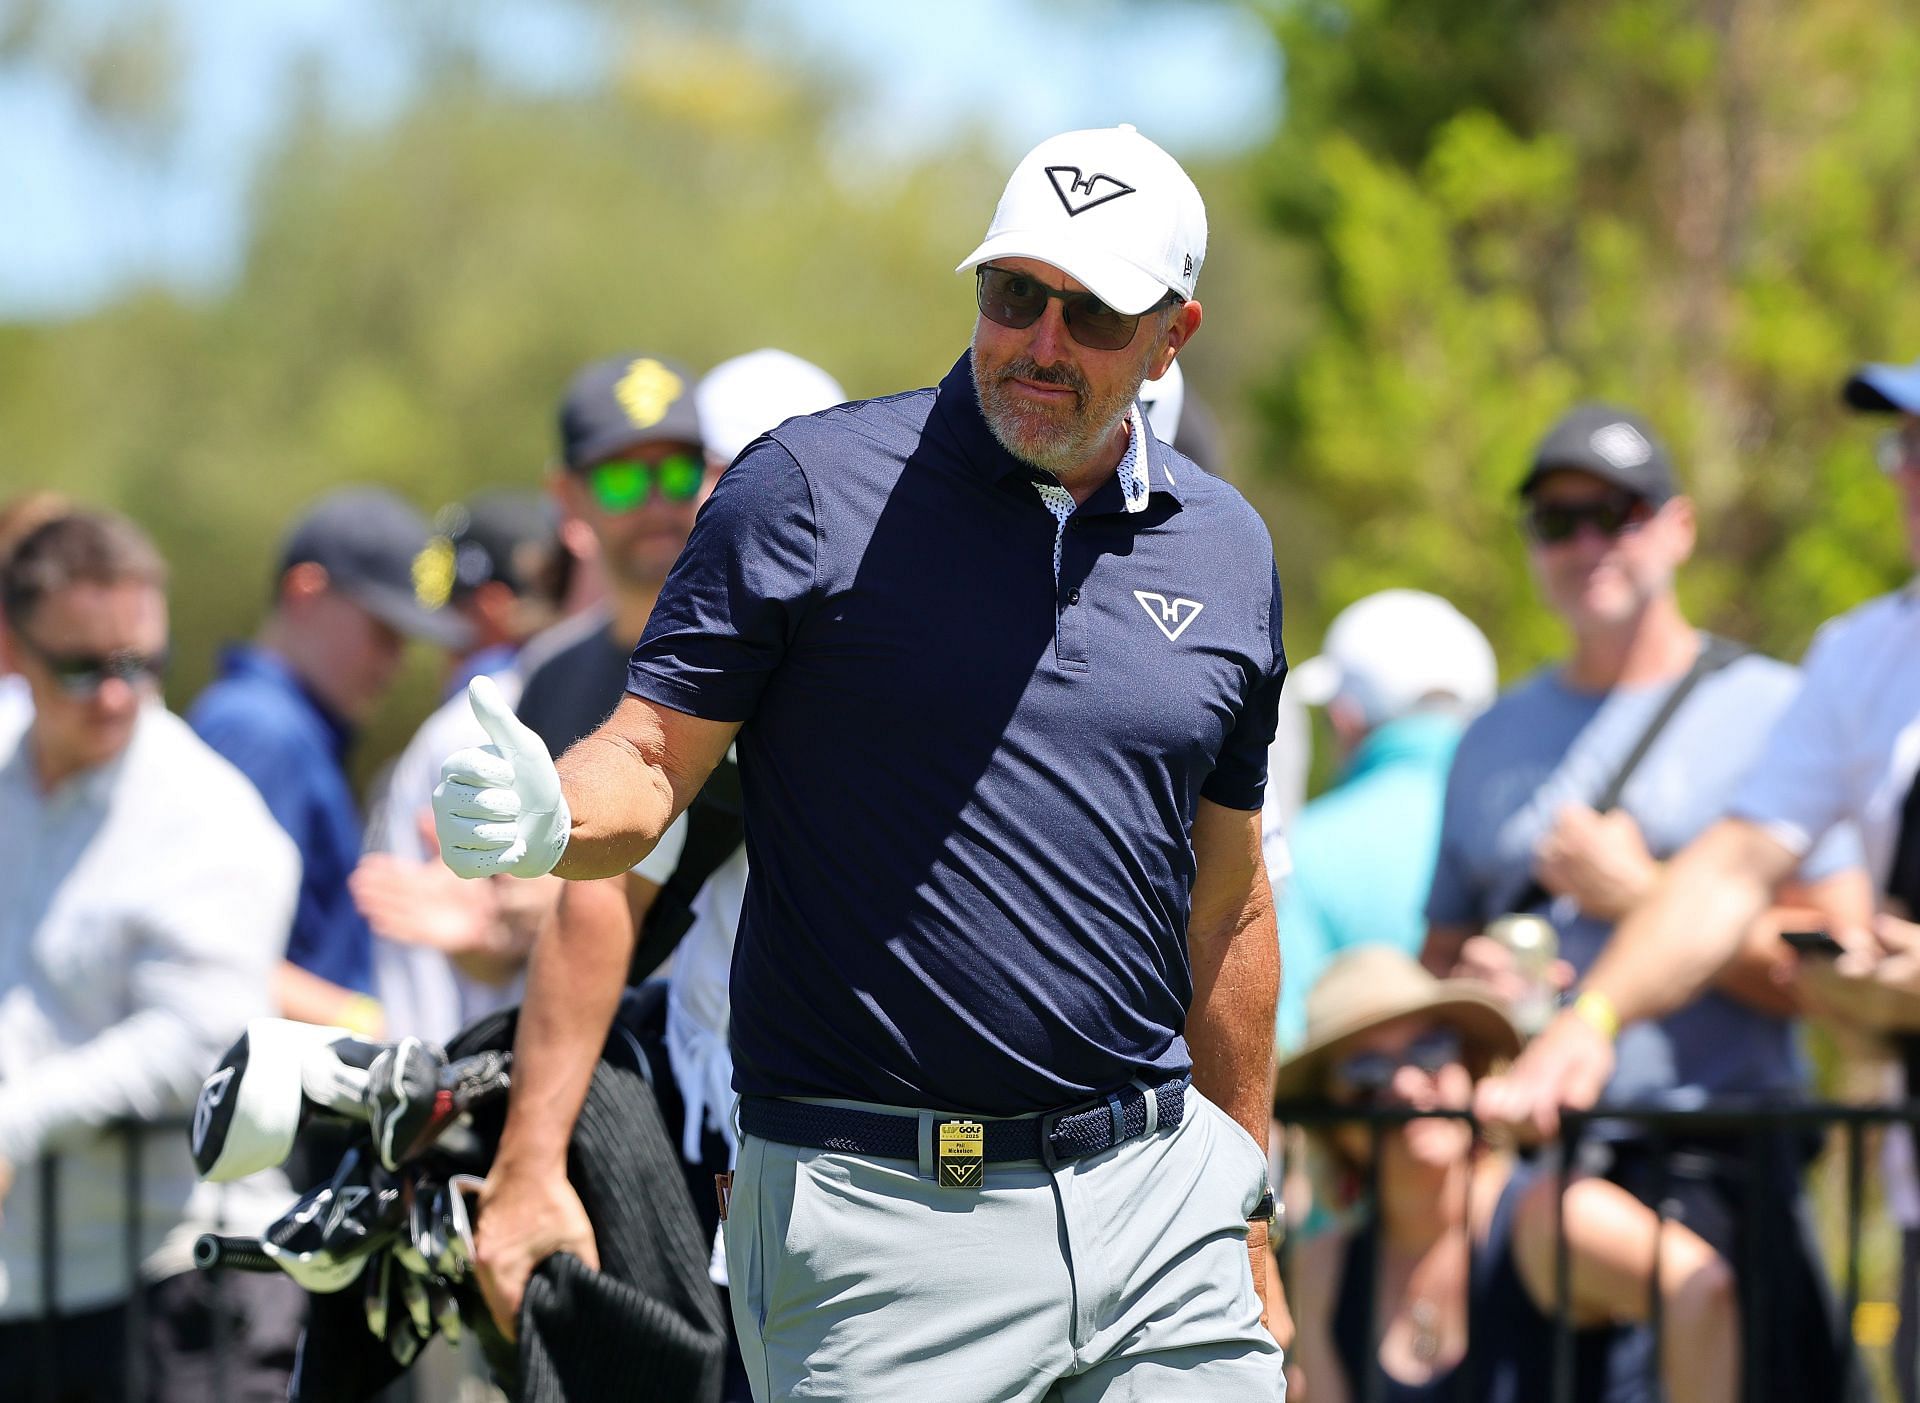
<point>498,807</point>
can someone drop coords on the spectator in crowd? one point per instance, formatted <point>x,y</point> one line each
<point>18,516</point>
<point>634,469</point>
<point>504,576</point>
<point>145,895</point>
<point>447,951</point>
<point>1441,1284</point>
<point>1846,751</point>
<point>284,708</point>
<point>684,899</point>
<point>1400,675</point>
<point>1523,831</point>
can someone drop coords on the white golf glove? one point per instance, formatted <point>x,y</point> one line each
<point>498,808</point>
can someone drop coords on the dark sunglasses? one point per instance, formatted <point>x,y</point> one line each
<point>1898,448</point>
<point>625,485</point>
<point>1367,1074</point>
<point>1553,523</point>
<point>1018,301</point>
<point>84,674</point>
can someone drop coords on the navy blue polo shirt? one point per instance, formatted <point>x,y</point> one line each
<point>276,733</point>
<point>969,787</point>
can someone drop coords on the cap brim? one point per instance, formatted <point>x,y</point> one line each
<point>1884,389</point>
<point>404,612</point>
<point>1480,1018</point>
<point>1116,282</point>
<point>1315,681</point>
<point>1606,472</point>
<point>612,445</point>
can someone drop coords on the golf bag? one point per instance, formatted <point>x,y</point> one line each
<point>384,1245</point>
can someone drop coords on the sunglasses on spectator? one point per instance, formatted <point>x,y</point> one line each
<point>1554,523</point>
<point>84,674</point>
<point>1018,301</point>
<point>1366,1074</point>
<point>625,485</point>
<point>1898,448</point>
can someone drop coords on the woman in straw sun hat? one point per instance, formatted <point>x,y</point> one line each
<point>1458,1243</point>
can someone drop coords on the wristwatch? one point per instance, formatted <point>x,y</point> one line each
<point>1272,1212</point>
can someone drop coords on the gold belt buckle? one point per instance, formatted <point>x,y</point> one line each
<point>961,1153</point>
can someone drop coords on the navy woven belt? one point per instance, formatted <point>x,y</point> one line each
<point>1054,1139</point>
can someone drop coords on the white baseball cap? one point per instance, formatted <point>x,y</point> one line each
<point>1393,651</point>
<point>1107,207</point>
<point>1163,399</point>
<point>740,399</point>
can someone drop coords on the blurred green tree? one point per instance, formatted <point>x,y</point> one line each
<point>1699,208</point>
<point>417,294</point>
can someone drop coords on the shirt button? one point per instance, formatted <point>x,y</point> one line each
<point>1073,596</point>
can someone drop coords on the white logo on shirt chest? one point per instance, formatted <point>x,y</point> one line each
<point>1170,616</point>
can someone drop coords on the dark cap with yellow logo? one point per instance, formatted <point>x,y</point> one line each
<point>379,552</point>
<point>622,402</point>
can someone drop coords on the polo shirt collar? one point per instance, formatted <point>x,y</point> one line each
<point>249,660</point>
<point>90,788</point>
<point>957,407</point>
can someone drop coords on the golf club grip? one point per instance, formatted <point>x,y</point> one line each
<point>212,1252</point>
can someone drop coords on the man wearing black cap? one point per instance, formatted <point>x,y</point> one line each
<point>1848,750</point>
<point>449,952</point>
<point>346,597</point>
<point>1548,814</point>
<point>633,469</point>
<point>506,574</point>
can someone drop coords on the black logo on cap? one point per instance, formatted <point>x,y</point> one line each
<point>1081,193</point>
<point>1189,268</point>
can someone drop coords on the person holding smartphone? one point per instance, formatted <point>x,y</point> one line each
<point>1846,750</point>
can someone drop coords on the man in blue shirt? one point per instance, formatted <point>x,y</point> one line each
<point>283,710</point>
<point>1400,675</point>
<point>1002,669</point>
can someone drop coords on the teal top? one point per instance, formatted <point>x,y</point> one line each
<point>1363,856</point>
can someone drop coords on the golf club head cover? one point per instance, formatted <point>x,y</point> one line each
<point>323,1241</point>
<point>402,1097</point>
<point>256,1100</point>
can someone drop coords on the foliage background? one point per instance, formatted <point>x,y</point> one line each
<point>1473,214</point>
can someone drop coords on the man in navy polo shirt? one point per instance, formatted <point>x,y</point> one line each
<point>1002,669</point>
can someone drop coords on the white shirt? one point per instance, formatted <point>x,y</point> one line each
<point>421,991</point>
<point>143,906</point>
<point>1849,745</point>
<point>699,1008</point>
<point>16,709</point>
<point>1848,748</point>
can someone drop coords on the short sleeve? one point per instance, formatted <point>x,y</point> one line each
<point>731,605</point>
<point>1797,790</point>
<point>1239,777</point>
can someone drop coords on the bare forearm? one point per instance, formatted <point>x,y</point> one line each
<point>620,805</point>
<point>1236,982</point>
<point>1676,942</point>
<point>573,986</point>
<point>304,996</point>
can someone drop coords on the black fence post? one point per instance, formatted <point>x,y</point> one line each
<point>47,1335</point>
<point>1373,1388</point>
<point>1856,1193</point>
<point>135,1323</point>
<point>1656,1301</point>
<point>1563,1381</point>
